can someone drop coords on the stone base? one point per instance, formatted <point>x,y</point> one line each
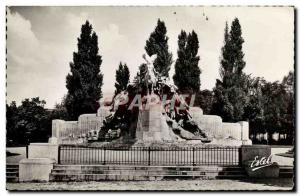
<point>271,171</point>
<point>247,142</point>
<point>35,169</point>
<point>249,152</point>
<point>152,126</point>
<point>53,140</point>
<point>43,150</point>
<point>226,142</point>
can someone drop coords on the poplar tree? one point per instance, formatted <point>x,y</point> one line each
<point>231,91</point>
<point>187,71</point>
<point>158,44</point>
<point>122,78</point>
<point>85,80</point>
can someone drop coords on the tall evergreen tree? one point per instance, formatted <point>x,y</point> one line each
<point>85,80</point>
<point>231,91</point>
<point>122,78</point>
<point>187,71</point>
<point>226,63</point>
<point>158,44</point>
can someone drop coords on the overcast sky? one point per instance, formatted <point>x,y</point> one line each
<point>41,40</point>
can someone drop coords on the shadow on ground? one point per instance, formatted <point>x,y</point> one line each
<point>276,182</point>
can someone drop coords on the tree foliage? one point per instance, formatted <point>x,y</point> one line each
<point>204,100</point>
<point>187,71</point>
<point>231,91</point>
<point>60,110</point>
<point>85,80</point>
<point>28,122</point>
<point>122,78</point>
<point>271,108</point>
<point>158,44</point>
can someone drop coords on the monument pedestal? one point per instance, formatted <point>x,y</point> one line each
<point>271,171</point>
<point>43,150</point>
<point>35,169</point>
<point>148,128</point>
<point>152,126</point>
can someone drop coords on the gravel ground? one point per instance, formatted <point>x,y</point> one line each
<point>192,185</point>
<point>287,161</point>
<point>21,151</point>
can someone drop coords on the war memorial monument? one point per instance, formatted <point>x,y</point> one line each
<point>163,135</point>
<point>154,127</point>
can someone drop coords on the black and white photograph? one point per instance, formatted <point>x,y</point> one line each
<point>150,98</point>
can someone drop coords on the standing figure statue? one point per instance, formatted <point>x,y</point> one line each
<point>151,79</point>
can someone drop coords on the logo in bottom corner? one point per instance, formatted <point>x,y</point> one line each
<point>259,163</point>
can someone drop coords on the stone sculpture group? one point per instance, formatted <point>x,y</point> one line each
<point>159,97</point>
<point>151,109</point>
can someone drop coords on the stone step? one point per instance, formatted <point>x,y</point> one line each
<point>134,172</point>
<point>287,169</point>
<point>12,179</point>
<point>145,172</point>
<point>12,166</point>
<point>12,169</point>
<point>132,167</point>
<point>286,172</point>
<point>12,172</point>
<point>149,169</point>
<point>114,177</point>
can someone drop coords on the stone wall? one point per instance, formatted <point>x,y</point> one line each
<point>196,113</point>
<point>218,129</point>
<point>67,131</point>
<point>212,124</point>
<point>70,127</point>
<point>233,130</point>
<point>87,122</point>
<point>151,126</point>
